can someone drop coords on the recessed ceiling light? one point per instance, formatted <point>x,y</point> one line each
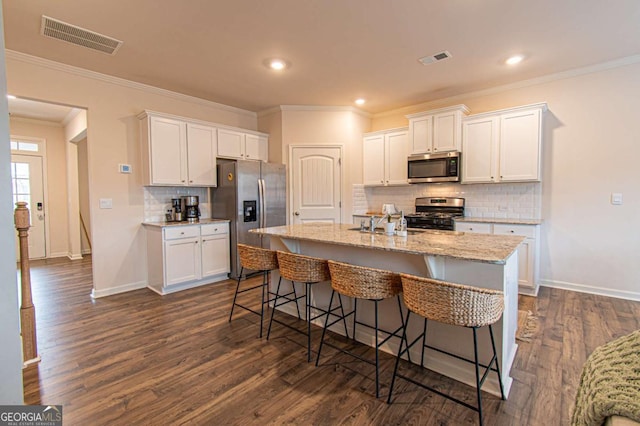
<point>11,97</point>
<point>276,64</point>
<point>360,101</point>
<point>515,59</point>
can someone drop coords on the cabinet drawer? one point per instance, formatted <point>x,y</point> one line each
<point>176,232</point>
<point>521,230</point>
<point>214,229</point>
<point>481,228</point>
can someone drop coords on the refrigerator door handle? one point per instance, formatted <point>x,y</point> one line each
<point>263,209</point>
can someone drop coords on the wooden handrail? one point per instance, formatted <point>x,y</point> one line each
<point>27,310</point>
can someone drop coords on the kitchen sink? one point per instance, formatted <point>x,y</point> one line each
<point>381,231</point>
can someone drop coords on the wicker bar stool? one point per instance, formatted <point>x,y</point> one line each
<point>359,282</point>
<point>258,260</point>
<point>301,269</point>
<point>452,304</point>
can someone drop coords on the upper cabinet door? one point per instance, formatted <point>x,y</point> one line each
<point>168,151</point>
<point>255,147</point>
<point>421,134</point>
<point>230,143</point>
<point>373,160</point>
<point>520,145</point>
<point>479,147</point>
<point>201,154</point>
<point>446,131</point>
<point>396,145</point>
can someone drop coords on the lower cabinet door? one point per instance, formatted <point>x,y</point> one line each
<point>182,260</point>
<point>215,255</point>
<point>526,263</point>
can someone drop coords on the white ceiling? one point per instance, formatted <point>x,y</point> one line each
<point>339,49</point>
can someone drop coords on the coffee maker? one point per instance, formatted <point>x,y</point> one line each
<point>177,214</point>
<point>191,209</point>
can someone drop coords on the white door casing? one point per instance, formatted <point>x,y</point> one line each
<point>28,185</point>
<point>316,184</point>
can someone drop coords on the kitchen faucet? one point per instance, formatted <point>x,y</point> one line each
<point>373,224</point>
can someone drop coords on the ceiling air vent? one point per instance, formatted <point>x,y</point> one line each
<point>78,36</point>
<point>435,58</point>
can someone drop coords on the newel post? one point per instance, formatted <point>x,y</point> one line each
<point>27,310</point>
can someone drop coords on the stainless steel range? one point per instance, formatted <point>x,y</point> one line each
<point>436,213</point>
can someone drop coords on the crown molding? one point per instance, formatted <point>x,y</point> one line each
<point>70,69</point>
<point>316,108</point>
<point>591,69</point>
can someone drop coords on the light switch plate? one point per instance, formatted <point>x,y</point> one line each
<point>616,198</point>
<point>106,203</point>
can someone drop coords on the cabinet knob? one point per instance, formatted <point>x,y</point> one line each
<point>297,213</point>
<point>435,149</point>
<point>182,233</point>
<point>190,181</point>
<point>511,231</point>
<point>470,229</point>
<point>247,156</point>
<point>182,181</point>
<point>382,181</point>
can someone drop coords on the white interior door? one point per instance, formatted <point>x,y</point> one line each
<point>27,185</point>
<point>316,182</point>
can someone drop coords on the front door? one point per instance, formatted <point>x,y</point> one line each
<point>27,185</point>
<point>316,182</point>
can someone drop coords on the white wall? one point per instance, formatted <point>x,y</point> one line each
<point>11,353</point>
<point>590,150</point>
<point>322,126</point>
<point>112,138</point>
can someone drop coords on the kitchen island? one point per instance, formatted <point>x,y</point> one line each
<point>479,260</point>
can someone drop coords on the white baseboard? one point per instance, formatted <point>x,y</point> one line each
<point>58,254</point>
<point>96,294</point>
<point>601,291</point>
<point>86,251</point>
<point>73,256</point>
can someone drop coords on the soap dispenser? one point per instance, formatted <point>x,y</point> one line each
<point>402,226</point>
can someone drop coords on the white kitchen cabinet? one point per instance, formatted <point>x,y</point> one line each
<point>176,152</point>
<point>185,256</point>
<point>385,157</point>
<point>215,249</point>
<point>182,259</point>
<point>436,130</point>
<point>528,251</point>
<point>241,145</point>
<point>503,146</point>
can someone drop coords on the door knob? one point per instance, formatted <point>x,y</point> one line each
<point>297,213</point>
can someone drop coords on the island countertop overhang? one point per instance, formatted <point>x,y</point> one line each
<point>486,248</point>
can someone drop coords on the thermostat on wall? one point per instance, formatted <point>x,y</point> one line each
<point>125,168</point>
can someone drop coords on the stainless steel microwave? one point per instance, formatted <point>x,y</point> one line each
<point>441,167</point>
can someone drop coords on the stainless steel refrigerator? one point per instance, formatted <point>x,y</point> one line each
<point>252,194</point>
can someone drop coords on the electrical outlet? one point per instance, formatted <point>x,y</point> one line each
<point>124,168</point>
<point>106,203</point>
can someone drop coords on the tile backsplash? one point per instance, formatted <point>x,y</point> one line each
<point>512,201</point>
<point>157,200</point>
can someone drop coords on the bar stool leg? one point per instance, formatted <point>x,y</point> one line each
<point>324,330</point>
<point>424,343</point>
<point>375,302</point>
<point>475,353</point>
<point>495,354</point>
<point>275,302</point>
<point>235,296</point>
<point>344,318</point>
<point>308,318</point>
<point>402,322</point>
<point>395,369</point>
<point>295,296</point>
<point>265,282</point>
<point>355,317</point>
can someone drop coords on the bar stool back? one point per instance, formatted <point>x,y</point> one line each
<point>259,260</point>
<point>302,269</point>
<point>359,282</point>
<point>457,305</point>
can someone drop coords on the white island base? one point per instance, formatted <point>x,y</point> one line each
<point>459,340</point>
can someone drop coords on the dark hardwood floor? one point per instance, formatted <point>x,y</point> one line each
<point>139,358</point>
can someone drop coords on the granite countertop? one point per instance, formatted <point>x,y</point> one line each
<point>499,220</point>
<point>185,223</point>
<point>485,248</point>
